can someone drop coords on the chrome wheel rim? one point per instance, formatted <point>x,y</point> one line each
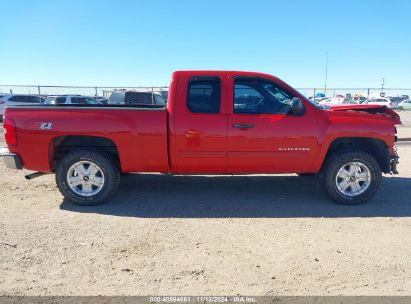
<point>85,178</point>
<point>353,179</point>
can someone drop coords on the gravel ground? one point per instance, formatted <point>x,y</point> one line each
<point>206,235</point>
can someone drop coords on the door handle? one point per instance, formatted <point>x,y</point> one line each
<point>243,126</point>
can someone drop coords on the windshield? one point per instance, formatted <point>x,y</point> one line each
<point>309,100</point>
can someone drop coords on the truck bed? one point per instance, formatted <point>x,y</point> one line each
<point>139,132</point>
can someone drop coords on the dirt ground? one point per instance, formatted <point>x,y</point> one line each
<point>206,235</point>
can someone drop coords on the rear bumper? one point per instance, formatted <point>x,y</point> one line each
<point>11,160</point>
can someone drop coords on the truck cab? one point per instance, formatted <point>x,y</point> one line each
<point>238,122</point>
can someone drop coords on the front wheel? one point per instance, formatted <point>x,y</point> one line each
<point>87,177</point>
<point>351,177</point>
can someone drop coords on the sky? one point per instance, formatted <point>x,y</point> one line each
<point>132,43</point>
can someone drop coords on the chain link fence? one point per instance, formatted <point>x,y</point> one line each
<point>365,92</point>
<point>106,91</point>
<point>44,90</point>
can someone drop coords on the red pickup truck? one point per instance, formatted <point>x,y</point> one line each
<point>214,122</point>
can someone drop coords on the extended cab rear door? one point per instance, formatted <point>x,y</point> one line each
<point>199,142</point>
<point>263,137</point>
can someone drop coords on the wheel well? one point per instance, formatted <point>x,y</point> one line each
<point>60,146</point>
<point>375,147</point>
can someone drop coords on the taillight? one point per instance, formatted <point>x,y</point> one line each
<point>10,131</point>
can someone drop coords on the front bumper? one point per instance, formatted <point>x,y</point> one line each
<point>393,165</point>
<point>394,162</point>
<point>11,160</point>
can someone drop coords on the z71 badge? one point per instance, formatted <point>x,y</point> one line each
<point>46,126</point>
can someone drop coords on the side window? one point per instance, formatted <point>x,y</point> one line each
<point>247,99</point>
<point>90,100</point>
<point>33,99</point>
<point>24,98</point>
<point>204,95</point>
<point>258,96</point>
<point>60,100</point>
<point>17,98</point>
<point>78,100</point>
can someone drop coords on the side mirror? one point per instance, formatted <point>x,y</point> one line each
<point>297,107</point>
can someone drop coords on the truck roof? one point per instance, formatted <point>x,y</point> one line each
<point>224,73</point>
<point>221,72</point>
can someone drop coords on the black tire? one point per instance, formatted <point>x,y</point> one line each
<point>108,168</point>
<point>336,161</point>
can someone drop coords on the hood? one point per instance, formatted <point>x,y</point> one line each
<point>368,109</point>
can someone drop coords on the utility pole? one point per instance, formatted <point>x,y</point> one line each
<point>326,75</point>
<point>382,85</point>
<point>382,94</point>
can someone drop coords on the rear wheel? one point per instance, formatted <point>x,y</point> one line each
<point>87,177</point>
<point>351,177</point>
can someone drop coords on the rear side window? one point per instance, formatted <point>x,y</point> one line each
<point>204,95</point>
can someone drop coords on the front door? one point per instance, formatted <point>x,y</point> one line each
<point>263,137</point>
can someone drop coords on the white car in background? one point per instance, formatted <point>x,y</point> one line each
<point>337,100</point>
<point>71,99</point>
<point>405,105</point>
<point>390,103</point>
<point>18,99</point>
